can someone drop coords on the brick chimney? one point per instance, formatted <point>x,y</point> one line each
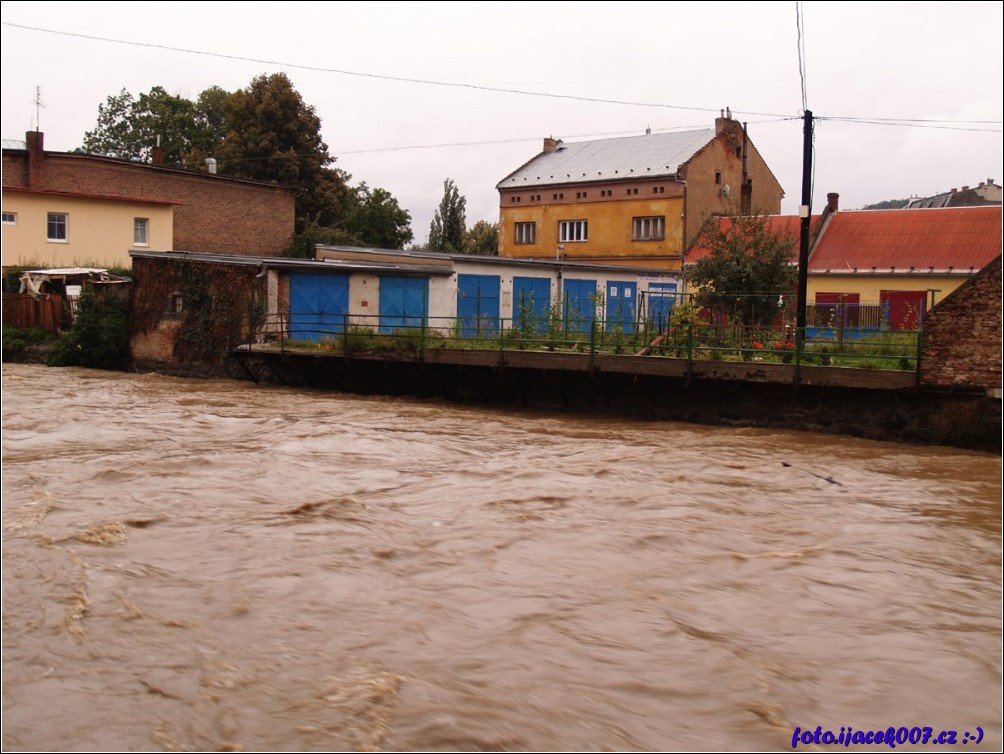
<point>550,144</point>
<point>36,159</point>
<point>833,202</point>
<point>157,155</point>
<point>725,123</point>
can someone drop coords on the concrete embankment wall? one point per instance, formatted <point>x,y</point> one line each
<point>966,419</point>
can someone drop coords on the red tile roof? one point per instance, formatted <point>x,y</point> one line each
<point>956,238</point>
<point>780,224</point>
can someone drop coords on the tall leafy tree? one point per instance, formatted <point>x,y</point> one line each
<point>376,219</point>
<point>748,268</point>
<point>482,239</point>
<point>446,232</point>
<point>273,135</point>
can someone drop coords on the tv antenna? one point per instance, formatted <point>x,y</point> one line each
<point>38,106</point>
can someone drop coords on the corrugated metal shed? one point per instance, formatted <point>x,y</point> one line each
<point>645,156</point>
<point>958,239</point>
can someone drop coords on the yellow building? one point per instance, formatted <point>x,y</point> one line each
<point>635,201</point>
<point>55,229</point>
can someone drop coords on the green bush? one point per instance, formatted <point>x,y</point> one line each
<point>99,338</point>
<point>16,338</point>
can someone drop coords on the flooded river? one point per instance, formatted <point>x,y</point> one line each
<point>216,565</point>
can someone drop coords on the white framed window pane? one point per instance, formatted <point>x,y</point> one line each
<point>140,231</point>
<point>56,223</point>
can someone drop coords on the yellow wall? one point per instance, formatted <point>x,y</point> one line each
<point>610,230</point>
<point>99,231</point>
<point>870,286</point>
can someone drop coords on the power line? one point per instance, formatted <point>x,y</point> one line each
<point>775,117</point>
<point>383,77</point>
<point>904,124</point>
<point>907,121</point>
<point>524,139</point>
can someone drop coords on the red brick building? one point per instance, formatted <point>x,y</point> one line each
<point>211,213</point>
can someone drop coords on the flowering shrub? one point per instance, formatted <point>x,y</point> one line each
<point>786,347</point>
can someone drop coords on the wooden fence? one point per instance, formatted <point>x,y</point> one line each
<point>22,310</point>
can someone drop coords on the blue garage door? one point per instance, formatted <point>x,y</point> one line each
<point>403,302</point>
<point>318,305</point>
<point>661,297</point>
<point>531,303</point>
<point>579,309</point>
<point>478,304</point>
<point>621,306</point>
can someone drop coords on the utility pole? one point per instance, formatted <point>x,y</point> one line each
<point>805,212</point>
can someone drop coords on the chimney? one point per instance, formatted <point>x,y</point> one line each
<point>965,188</point>
<point>157,155</point>
<point>833,202</point>
<point>725,123</point>
<point>36,159</point>
<point>211,165</point>
<point>550,144</point>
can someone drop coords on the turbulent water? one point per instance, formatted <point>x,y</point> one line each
<point>217,565</point>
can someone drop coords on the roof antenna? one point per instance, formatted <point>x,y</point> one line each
<point>38,105</point>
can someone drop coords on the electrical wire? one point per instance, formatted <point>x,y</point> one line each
<point>383,77</point>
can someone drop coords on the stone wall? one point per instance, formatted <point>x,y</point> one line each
<point>962,335</point>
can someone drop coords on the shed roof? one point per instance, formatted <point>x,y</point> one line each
<point>899,240</point>
<point>627,157</point>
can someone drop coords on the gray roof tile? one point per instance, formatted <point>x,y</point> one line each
<point>610,159</point>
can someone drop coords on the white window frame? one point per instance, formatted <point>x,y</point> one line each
<point>526,233</point>
<point>649,229</point>
<point>144,224</point>
<point>573,231</point>
<point>9,218</point>
<point>60,219</point>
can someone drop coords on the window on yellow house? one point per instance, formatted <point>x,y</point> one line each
<point>140,231</point>
<point>56,226</point>
<point>526,233</point>
<point>649,229</point>
<point>573,230</point>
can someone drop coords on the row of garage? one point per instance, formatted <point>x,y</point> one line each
<point>388,291</point>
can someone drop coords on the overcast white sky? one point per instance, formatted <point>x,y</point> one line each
<point>936,62</point>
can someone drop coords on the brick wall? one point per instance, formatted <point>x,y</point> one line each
<point>962,335</point>
<point>723,155</point>
<point>216,214</point>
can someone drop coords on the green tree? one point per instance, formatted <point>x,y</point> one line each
<point>449,224</point>
<point>482,239</point>
<point>263,132</point>
<point>375,218</point>
<point>129,128</point>
<point>273,135</point>
<point>748,267</point>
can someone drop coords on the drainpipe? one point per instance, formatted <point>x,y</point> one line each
<point>683,244</point>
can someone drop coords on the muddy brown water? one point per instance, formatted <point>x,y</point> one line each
<point>212,565</point>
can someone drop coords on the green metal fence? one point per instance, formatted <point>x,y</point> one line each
<point>699,340</point>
